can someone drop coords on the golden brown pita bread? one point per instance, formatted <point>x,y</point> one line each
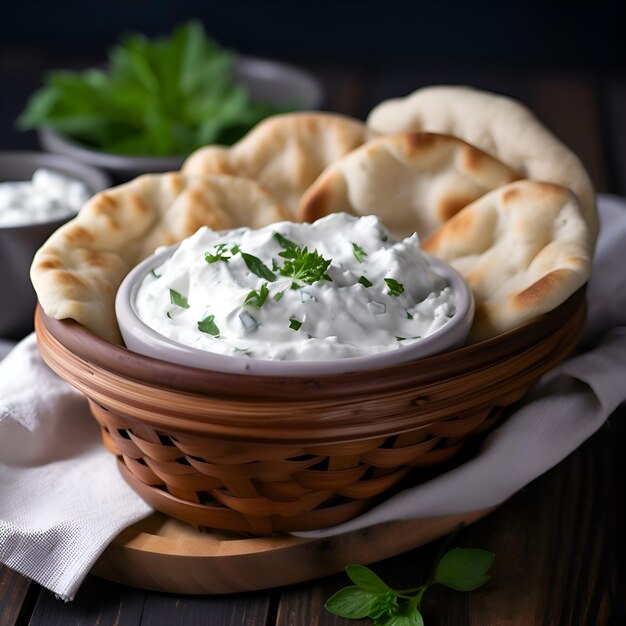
<point>76,273</point>
<point>523,249</point>
<point>284,153</point>
<point>413,181</point>
<point>498,125</point>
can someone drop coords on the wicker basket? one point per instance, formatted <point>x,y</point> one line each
<point>259,455</point>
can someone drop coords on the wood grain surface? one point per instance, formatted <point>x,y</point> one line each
<point>559,543</point>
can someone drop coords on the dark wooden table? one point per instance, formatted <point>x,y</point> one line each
<point>559,543</point>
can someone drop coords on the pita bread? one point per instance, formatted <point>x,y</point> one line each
<point>501,126</point>
<point>413,181</point>
<point>523,249</point>
<point>284,153</point>
<point>76,273</point>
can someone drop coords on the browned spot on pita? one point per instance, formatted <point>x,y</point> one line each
<point>453,230</point>
<point>539,289</point>
<point>69,280</point>
<point>75,234</point>
<point>511,195</point>
<point>450,205</point>
<point>419,142</point>
<point>320,201</point>
<point>138,204</point>
<point>50,264</point>
<point>94,258</point>
<point>103,203</point>
<point>176,183</point>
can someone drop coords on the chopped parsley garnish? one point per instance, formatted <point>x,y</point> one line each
<point>294,324</point>
<point>395,288</point>
<point>220,253</point>
<point>408,315</point>
<point>256,266</point>
<point>359,253</point>
<point>169,315</point>
<point>384,238</point>
<point>279,296</point>
<point>178,300</point>
<point>284,242</point>
<point>208,325</point>
<point>155,274</point>
<point>301,265</point>
<point>405,338</point>
<point>257,298</point>
<point>365,282</point>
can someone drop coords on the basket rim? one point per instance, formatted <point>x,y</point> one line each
<point>117,359</point>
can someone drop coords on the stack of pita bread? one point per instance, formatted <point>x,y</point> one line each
<point>476,175</point>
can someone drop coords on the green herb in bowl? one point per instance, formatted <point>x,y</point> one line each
<point>164,98</point>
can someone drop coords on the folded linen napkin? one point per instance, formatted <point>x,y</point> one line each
<point>62,499</point>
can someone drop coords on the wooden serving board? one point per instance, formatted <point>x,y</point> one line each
<point>164,554</point>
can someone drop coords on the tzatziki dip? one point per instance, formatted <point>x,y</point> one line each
<point>340,287</point>
<point>48,196</point>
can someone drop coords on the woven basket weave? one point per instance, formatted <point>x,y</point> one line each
<point>260,455</point>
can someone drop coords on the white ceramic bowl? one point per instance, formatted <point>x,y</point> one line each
<point>141,338</point>
<point>19,243</point>
<point>264,80</point>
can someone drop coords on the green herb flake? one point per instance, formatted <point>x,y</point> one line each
<point>365,282</point>
<point>370,596</point>
<point>284,242</point>
<point>279,296</point>
<point>294,324</point>
<point>405,338</point>
<point>178,299</point>
<point>155,274</point>
<point>256,266</point>
<point>257,298</point>
<point>359,253</point>
<point>220,254</point>
<point>395,288</point>
<point>208,325</point>
<point>169,315</point>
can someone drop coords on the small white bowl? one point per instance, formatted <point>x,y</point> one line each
<point>18,243</point>
<point>264,81</point>
<point>141,338</point>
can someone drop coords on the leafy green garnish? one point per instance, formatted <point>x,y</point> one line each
<point>256,266</point>
<point>279,296</point>
<point>284,242</point>
<point>155,274</point>
<point>178,299</point>
<point>208,325</point>
<point>395,288</point>
<point>163,97</point>
<point>294,324</point>
<point>460,569</point>
<point>405,338</point>
<point>301,265</point>
<point>359,253</point>
<point>257,298</point>
<point>221,250</point>
<point>365,282</point>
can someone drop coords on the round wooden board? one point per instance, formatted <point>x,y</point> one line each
<point>164,554</point>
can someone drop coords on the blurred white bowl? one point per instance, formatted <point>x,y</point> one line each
<point>18,244</point>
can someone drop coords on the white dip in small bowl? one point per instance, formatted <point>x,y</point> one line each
<point>294,299</point>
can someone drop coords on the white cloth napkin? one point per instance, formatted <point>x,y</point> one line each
<point>62,499</point>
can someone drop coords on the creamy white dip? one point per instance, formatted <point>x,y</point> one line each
<point>340,287</point>
<point>48,196</point>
